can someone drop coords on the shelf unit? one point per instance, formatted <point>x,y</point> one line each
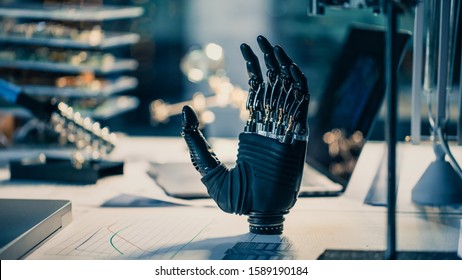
<point>119,65</point>
<point>109,108</point>
<point>116,80</point>
<point>110,40</point>
<point>67,12</point>
<point>115,86</point>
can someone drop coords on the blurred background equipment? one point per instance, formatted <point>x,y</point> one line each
<point>61,50</point>
<point>91,142</point>
<point>199,65</point>
<point>158,39</point>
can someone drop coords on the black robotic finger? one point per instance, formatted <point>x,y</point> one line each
<point>272,86</point>
<point>268,52</point>
<point>299,110</point>
<point>190,121</point>
<point>284,82</point>
<point>286,76</point>
<point>254,100</point>
<point>284,61</point>
<point>299,78</point>
<point>299,88</point>
<point>253,66</point>
<point>202,156</point>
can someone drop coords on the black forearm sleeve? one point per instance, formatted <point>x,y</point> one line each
<point>266,178</point>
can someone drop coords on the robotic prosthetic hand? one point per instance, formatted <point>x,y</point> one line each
<point>265,182</point>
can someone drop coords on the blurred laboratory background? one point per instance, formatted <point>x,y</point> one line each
<point>134,66</point>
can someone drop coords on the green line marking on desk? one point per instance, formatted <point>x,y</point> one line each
<point>114,235</point>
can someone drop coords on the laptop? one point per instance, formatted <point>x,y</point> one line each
<point>346,112</point>
<point>338,131</point>
<point>27,223</point>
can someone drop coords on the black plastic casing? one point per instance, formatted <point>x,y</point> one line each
<point>264,184</point>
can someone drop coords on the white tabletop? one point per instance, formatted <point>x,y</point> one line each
<point>201,230</point>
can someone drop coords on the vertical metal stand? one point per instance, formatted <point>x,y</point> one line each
<point>417,73</point>
<point>442,64</point>
<point>391,66</point>
<point>459,121</point>
<point>441,183</point>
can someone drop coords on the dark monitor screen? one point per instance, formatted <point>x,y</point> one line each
<point>353,96</point>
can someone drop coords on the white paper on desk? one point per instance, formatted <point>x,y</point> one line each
<point>148,233</point>
<point>184,232</point>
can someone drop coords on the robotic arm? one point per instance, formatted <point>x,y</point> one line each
<point>265,182</point>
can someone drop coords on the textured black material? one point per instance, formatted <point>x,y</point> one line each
<point>202,156</point>
<point>380,255</point>
<point>265,182</point>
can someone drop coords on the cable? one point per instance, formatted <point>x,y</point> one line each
<point>453,42</point>
<point>447,150</point>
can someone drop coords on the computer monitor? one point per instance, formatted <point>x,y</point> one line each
<point>353,96</point>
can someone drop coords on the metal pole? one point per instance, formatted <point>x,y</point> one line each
<point>391,66</point>
<point>442,64</point>
<point>459,121</point>
<point>416,116</point>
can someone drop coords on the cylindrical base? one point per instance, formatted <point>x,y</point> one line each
<point>266,223</point>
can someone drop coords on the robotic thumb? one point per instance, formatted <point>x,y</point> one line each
<point>202,156</point>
